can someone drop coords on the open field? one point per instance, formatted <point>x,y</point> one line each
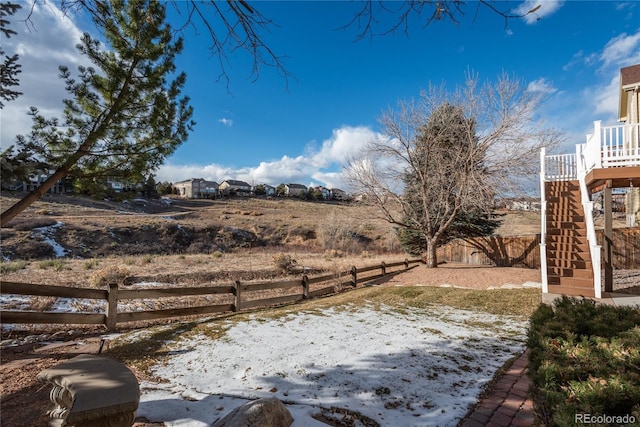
<point>66,239</point>
<point>89,229</point>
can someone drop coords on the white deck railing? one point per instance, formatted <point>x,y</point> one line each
<point>612,146</point>
<point>560,167</point>
<point>606,147</point>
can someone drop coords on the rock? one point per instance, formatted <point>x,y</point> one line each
<point>268,412</point>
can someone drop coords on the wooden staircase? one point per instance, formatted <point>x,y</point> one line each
<point>569,267</point>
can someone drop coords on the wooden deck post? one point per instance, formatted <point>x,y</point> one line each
<point>608,238</point>
<point>112,307</point>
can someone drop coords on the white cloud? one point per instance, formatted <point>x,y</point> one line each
<point>541,85</point>
<point>622,50</point>
<point>544,8</point>
<point>226,122</point>
<point>47,42</point>
<point>344,142</point>
<point>321,166</point>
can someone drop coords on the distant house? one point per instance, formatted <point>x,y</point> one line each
<point>119,186</point>
<point>523,204</point>
<point>337,194</point>
<point>62,186</point>
<point>230,187</point>
<point>294,190</point>
<point>326,193</point>
<point>196,188</point>
<point>269,190</point>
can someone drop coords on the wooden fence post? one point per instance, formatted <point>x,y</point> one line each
<point>237,294</point>
<point>305,286</point>
<point>383,267</point>
<point>354,276</point>
<point>112,307</point>
<point>406,264</point>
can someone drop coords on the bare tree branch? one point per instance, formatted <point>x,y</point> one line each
<point>367,19</point>
<point>231,25</point>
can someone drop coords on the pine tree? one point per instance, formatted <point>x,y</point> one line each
<point>9,67</point>
<point>446,157</point>
<point>125,113</point>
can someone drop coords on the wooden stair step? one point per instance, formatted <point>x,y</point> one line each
<point>565,225</point>
<point>567,232</point>
<point>554,247</point>
<point>562,212</point>
<point>554,203</point>
<point>567,256</point>
<point>565,238</point>
<point>567,217</point>
<point>554,262</point>
<point>572,290</point>
<point>574,282</point>
<point>569,272</point>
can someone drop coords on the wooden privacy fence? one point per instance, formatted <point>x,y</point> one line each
<point>493,250</point>
<point>232,297</point>
<point>523,251</point>
<point>626,247</point>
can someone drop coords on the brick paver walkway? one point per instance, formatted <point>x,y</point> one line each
<point>508,403</point>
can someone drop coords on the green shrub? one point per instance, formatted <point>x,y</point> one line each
<point>10,267</point>
<point>56,264</point>
<point>585,358</point>
<point>90,264</point>
<point>218,254</point>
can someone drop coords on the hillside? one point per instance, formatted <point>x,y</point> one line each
<point>84,228</point>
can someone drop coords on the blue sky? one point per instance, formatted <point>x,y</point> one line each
<point>272,130</point>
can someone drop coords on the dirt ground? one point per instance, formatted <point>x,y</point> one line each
<point>24,401</point>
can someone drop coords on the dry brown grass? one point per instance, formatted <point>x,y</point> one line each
<point>187,269</point>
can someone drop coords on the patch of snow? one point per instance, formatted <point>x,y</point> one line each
<point>15,302</point>
<point>400,367</point>
<point>78,305</point>
<point>148,285</point>
<point>46,234</point>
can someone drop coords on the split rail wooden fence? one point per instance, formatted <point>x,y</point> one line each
<point>239,296</point>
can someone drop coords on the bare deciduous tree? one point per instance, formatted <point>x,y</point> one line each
<point>451,152</point>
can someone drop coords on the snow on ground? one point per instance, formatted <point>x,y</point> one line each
<point>400,367</point>
<point>46,234</point>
